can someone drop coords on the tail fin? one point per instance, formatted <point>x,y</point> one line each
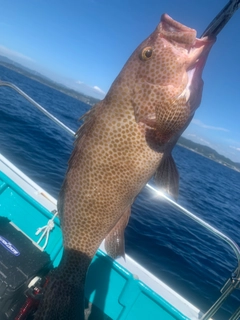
<point>63,294</point>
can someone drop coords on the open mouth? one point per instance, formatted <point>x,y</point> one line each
<point>176,31</point>
<point>198,56</point>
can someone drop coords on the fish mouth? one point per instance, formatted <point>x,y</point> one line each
<point>198,55</point>
<point>180,34</point>
<point>196,50</point>
<point>176,31</point>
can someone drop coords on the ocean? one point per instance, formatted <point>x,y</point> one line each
<point>174,248</point>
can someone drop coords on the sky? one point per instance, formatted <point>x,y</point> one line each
<point>84,44</point>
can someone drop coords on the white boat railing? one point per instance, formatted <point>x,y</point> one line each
<point>37,105</point>
<point>232,283</point>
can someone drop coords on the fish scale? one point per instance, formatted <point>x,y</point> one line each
<point>125,139</point>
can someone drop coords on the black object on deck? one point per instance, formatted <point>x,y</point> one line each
<point>20,262</point>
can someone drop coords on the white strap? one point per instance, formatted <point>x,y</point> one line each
<point>46,230</point>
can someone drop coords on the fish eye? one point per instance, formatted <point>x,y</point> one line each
<point>146,53</point>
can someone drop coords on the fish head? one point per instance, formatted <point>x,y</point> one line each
<point>163,78</point>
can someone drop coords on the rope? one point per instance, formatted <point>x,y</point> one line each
<point>46,230</point>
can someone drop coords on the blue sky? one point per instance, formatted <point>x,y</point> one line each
<point>84,44</point>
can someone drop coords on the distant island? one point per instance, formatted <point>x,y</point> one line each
<point>209,153</point>
<point>196,147</point>
<point>10,64</point>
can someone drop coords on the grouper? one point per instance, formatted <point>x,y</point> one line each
<point>125,139</point>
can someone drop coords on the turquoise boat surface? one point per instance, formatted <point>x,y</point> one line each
<point>109,286</point>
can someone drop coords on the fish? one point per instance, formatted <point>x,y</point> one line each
<point>124,141</point>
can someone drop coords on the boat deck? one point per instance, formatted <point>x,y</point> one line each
<point>115,289</point>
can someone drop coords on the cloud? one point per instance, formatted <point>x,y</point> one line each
<point>235,148</point>
<point>95,88</point>
<point>14,54</point>
<point>93,91</point>
<point>196,138</point>
<point>190,134</point>
<point>205,126</point>
<point>99,90</point>
<point>204,141</point>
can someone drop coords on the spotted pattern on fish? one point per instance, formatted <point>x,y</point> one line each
<point>123,141</point>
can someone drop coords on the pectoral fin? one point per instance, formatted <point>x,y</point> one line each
<point>114,242</point>
<point>167,176</point>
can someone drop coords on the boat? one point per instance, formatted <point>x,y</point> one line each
<point>31,244</point>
